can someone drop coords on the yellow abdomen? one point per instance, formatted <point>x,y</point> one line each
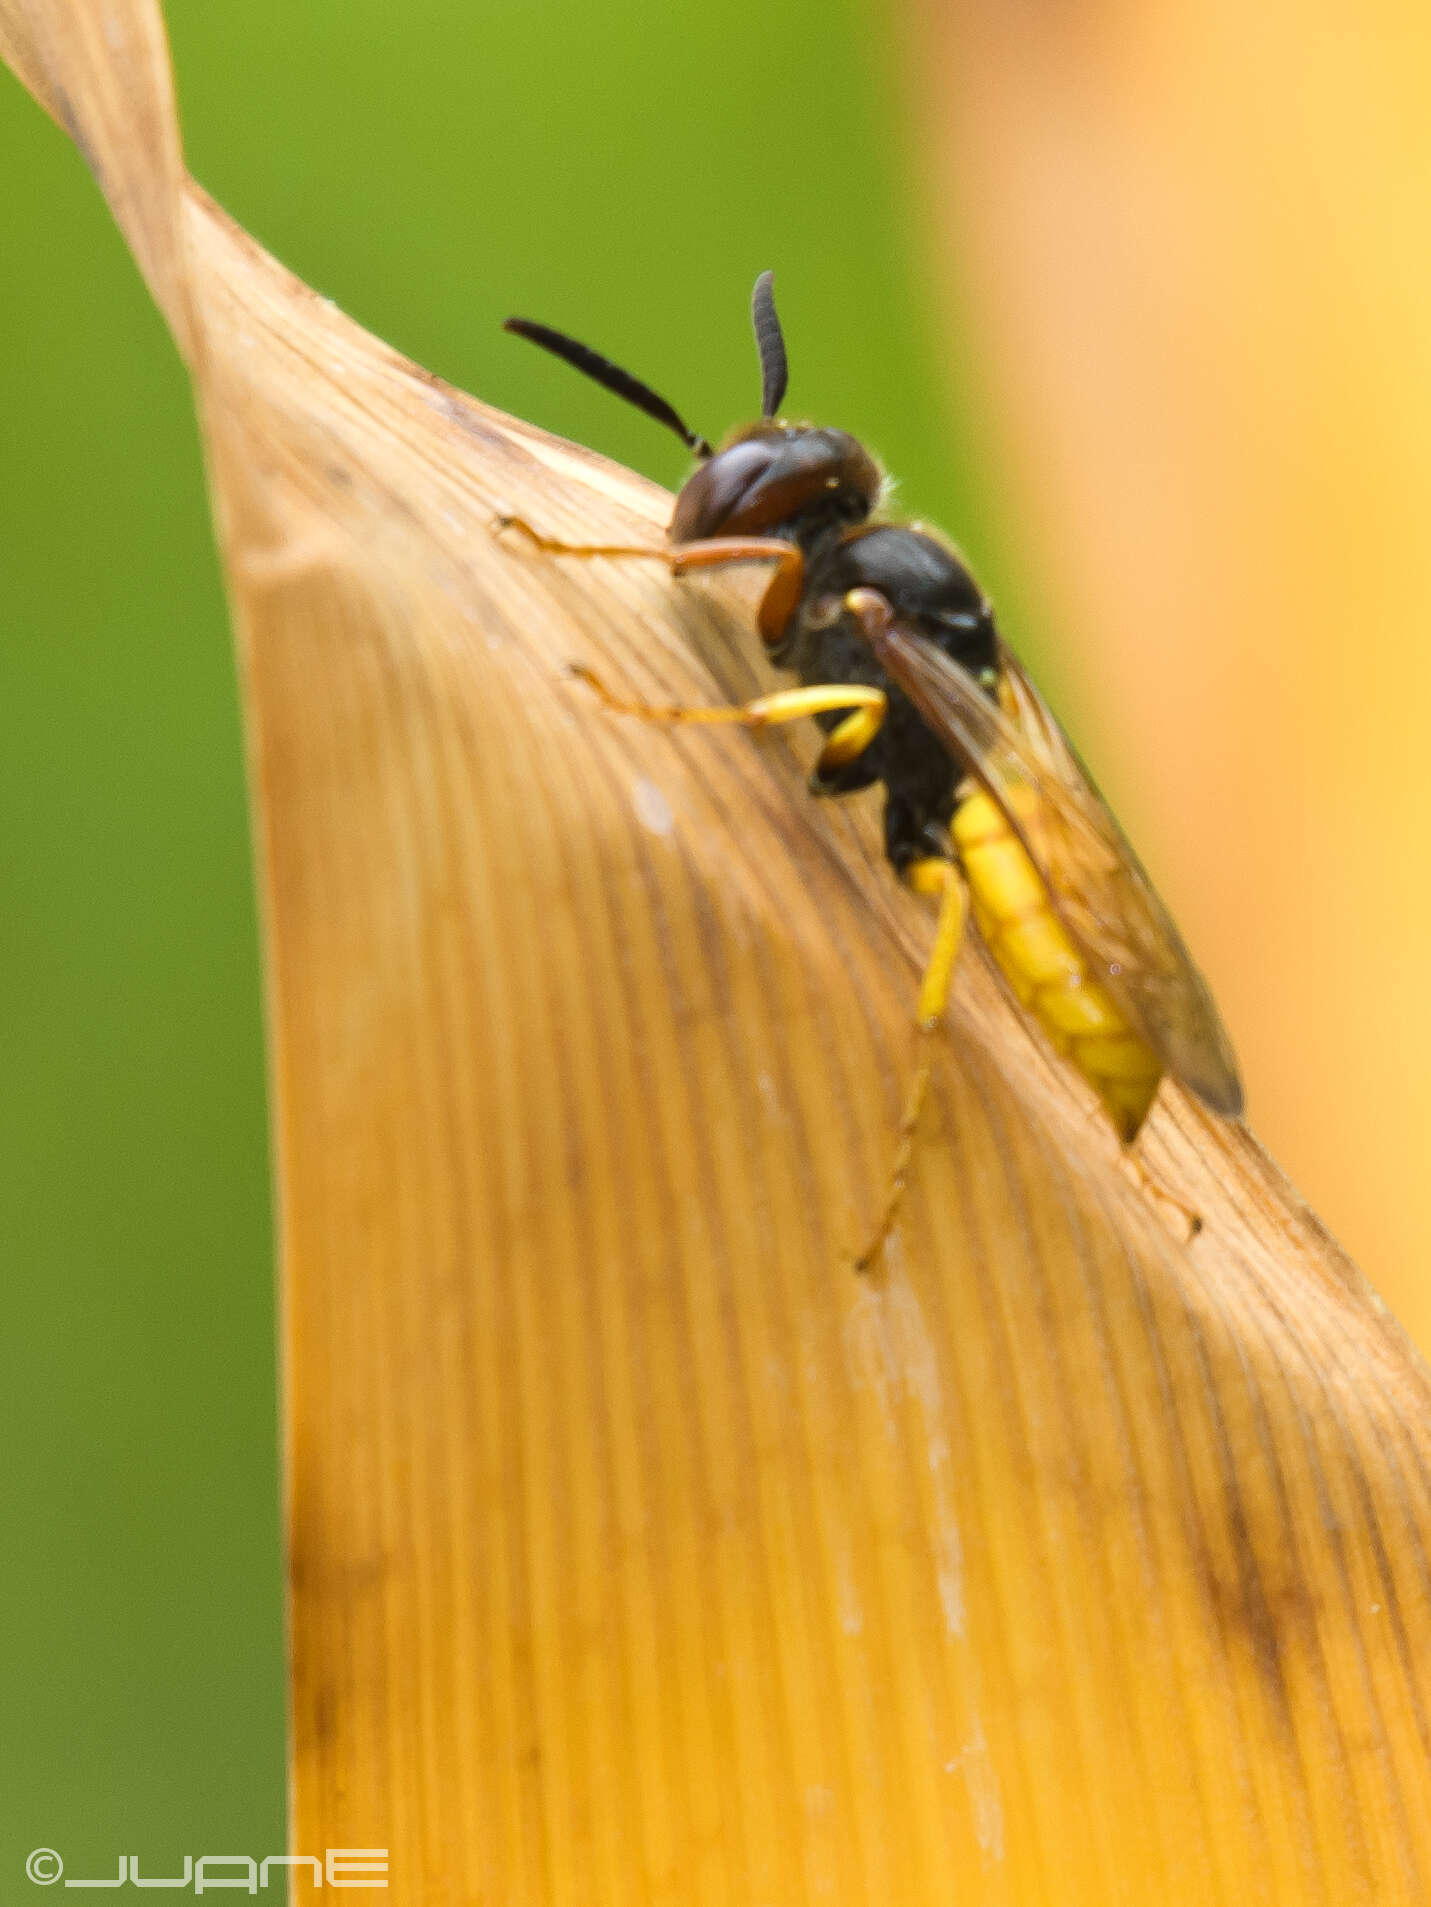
<point>1012,909</point>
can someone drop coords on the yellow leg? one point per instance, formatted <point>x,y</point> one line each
<point>854,735</point>
<point>784,705</point>
<point>933,876</point>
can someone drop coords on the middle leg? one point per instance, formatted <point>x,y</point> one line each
<point>866,705</point>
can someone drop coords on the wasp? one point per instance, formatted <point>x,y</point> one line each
<point>988,810</point>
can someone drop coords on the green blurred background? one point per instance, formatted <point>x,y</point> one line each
<point>622,173</point>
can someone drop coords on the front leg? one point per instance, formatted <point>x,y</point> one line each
<point>777,605</point>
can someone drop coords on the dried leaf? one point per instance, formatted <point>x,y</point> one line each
<point>639,1549</point>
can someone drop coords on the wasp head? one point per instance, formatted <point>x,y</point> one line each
<point>774,476</point>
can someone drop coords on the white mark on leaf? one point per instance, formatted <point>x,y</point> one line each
<point>653,810</point>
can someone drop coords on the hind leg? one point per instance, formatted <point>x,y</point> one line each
<point>942,878</point>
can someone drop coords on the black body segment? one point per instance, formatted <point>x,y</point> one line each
<point>939,600</point>
<point>816,489</point>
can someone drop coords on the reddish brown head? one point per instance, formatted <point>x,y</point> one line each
<point>769,475</point>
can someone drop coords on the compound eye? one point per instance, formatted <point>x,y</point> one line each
<point>716,491</point>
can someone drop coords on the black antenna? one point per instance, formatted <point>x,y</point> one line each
<point>770,342</point>
<point>611,375</point>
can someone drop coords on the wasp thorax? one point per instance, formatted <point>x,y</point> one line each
<point>773,476</point>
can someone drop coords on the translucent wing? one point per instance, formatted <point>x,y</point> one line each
<point>1021,757</point>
